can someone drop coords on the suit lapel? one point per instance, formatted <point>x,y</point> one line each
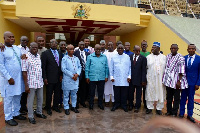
<point>52,56</point>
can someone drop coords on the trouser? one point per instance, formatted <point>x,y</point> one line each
<point>187,94</point>
<point>39,93</point>
<point>121,96</point>
<point>144,101</point>
<point>61,94</point>
<point>82,92</point>
<point>108,98</point>
<point>44,98</point>
<point>173,94</point>
<point>11,106</point>
<point>100,90</point>
<point>52,88</point>
<point>132,89</point>
<point>23,101</point>
<point>66,98</point>
<point>159,105</point>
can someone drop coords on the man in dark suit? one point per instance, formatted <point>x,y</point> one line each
<point>138,77</point>
<point>51,72</point>
<point>82,56</point>
<point>192,69</point>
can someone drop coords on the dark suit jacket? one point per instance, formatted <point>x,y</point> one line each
<point>139,70</point>
<point>77,54</point>
<point>50,69</point>
<point>193,72</point>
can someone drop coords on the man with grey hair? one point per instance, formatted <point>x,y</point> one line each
<point>52,75</point>
<point>63,48</point>
<point>103,46</point>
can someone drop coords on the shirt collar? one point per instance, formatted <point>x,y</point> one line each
<point>192,56</point>
<point>94,55</point>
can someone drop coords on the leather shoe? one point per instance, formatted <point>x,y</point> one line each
<point>83,104</point>
<point>131,108</point>
<point>125,109</point>
<point>41,116</point>
<point>168,114</point>
<point>101,107</point>
<point>19,117</point>
<point>191,119</point>
<point>181,116</point>
<point>11,122</point>
<point>148,111</point>
<point>32,120</point>
<point>49,112</point>
<point>57,110</point>
<point>136,110</point>
<point>74,110</point>
<point>67,112</point>
<point>158,112</point>
<point>91,107</point>
<point>113,108</point>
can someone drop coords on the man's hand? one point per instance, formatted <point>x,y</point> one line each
<point>196,87</point>
<point>88,80</point>
<point>11,81</point>
<point>112,80</point>
<point>129,80</point>
<point>2,47</point>
<point>75,77</point>
<point>61,77</point>
<point>144,83</point>
<point>106,79</point>
<point>45,82</point>
<point>23,57</point>
<point>27,90</point>
<point>178,84</point>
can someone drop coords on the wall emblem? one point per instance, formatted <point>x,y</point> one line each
<point>81,11</point>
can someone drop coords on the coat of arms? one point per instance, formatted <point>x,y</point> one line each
<point>81,11</point>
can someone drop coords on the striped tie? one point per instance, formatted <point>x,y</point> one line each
<point>83,61</point>
<point>56,57</point>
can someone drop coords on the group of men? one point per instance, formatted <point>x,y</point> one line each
<point>74,74</point>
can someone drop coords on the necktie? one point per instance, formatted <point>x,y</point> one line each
<point>189,62</point>
<point>134,61</point>
<point>56,57</point>
<point>83,61</point>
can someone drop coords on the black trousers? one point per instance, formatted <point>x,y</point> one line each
<point>82,92</point>
<point>144,101</point>
<point>100,90</point>
<point>53,88</point>
<point>173,94</point>
<point>121,96</point>
<point>23,101</point>
<point>132,89</point>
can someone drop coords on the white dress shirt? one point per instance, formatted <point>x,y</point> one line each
<point>136,57</point>
<point>192,59</point>
<point>83,52</point>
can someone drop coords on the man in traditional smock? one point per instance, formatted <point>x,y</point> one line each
<point>108,89</point>
<point>155,90</point>
<point>10,67</point>
<point>71,69</point>
<point>120,75</point>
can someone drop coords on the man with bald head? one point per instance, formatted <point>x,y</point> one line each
<point>52,75</point>
<point>82,90</point>
<point>120,75</point>
<point>32,67</point>
<point>138,77</point>
<point>96,74</point>
<point>10,68</point>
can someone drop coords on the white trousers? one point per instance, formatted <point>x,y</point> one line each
<point>108,97</point>
<point>159,105</point>
<point>11,106</point>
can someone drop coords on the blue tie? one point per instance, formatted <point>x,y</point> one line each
<point>189,62</point>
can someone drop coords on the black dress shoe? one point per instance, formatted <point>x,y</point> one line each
<point>67,112</point>
<point>158,112</point>
<point>131,108</point>
<point>148,111</point>
<point>57,110</point>
<point>19,117</point>
<point>41,116</point>
<point>113,108</point>
<point>136,110</point>
<point>174,115</point>
<point>168,114</point>
<point>49,112</point>
<point>125,109</point>
<point>74,110</point>
<point>11,122</point>
<point>101,107</point>
<point>91,107</point>
<point>191,119</point>
<point>181,116</point>
<point>84,105</point>
<point>32,120</point>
